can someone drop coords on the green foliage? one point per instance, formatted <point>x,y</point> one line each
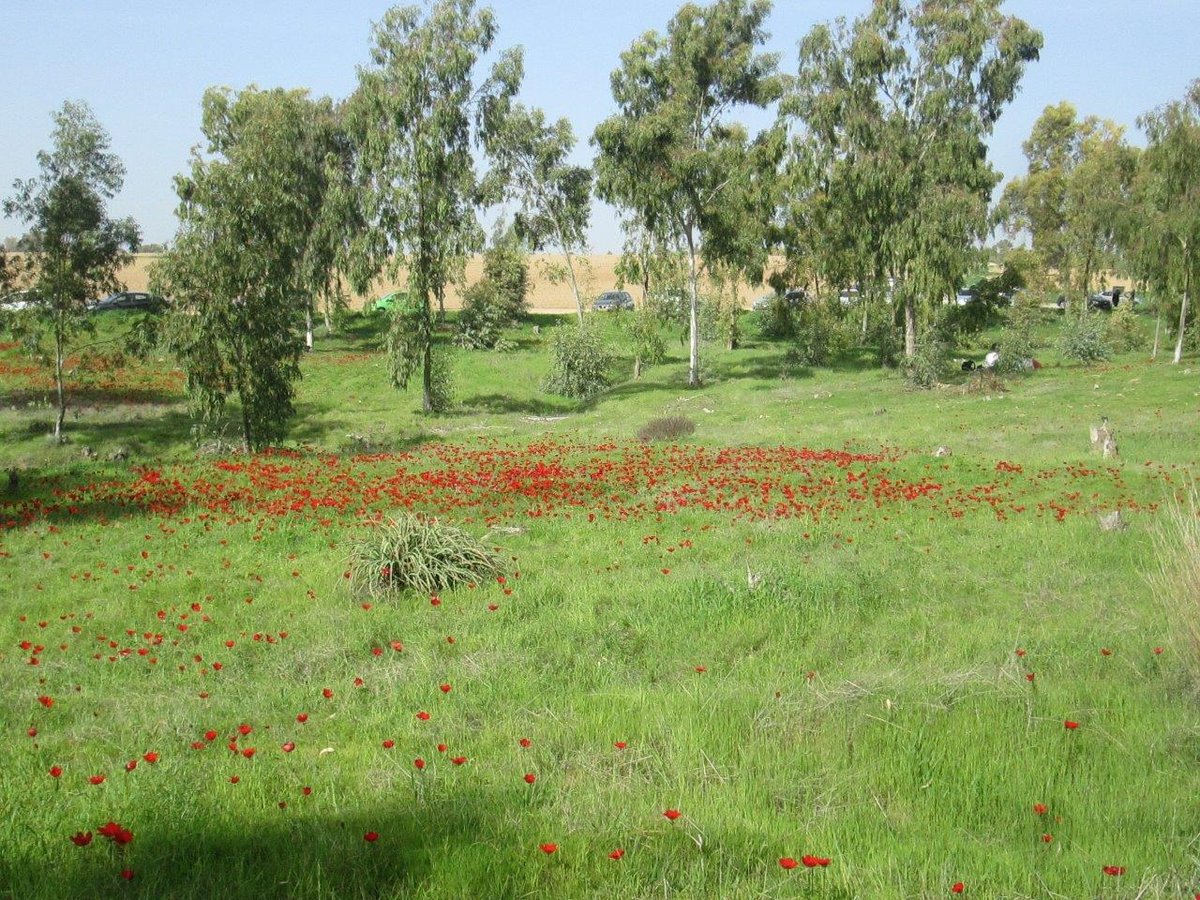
<point>667,428</point>
<point>693,180</point>
<point>884,335</point>
<point>1018,340</point>
<point>506,268</point>
<point>483,318</point>
<point>441,379</point>
<point>418,111</point>
<point>1123,330</point>
<point>1082,338</point>
<point>889,176</point>
<point>241,270</point>
<point>645,333</point>
<point>418,554</point>
<point>777,321</point>
<point>72,248</point>
<point>579,362</point>
<point>930,365</point>
<point>820,336</point>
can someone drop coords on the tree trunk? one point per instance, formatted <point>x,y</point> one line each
<point>441,299</point>
<point>308,326</point>
<point>574,283</point>
<point>58,382</point>
<point>1157,330</point>
<point>427,378</point>
<point>694,318</point>
<point>863,336</point>
<point>637,368</point>
<point>1183,310</point>
<point>328,314</point>
<point>910,325</point>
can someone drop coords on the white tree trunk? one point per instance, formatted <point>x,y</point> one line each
<point>694,317</point>
<point>574,282</point>
<point>308,326</point>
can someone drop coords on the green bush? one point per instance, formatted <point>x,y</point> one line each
<point>1124,332</point>
<point>645,332</point>
<point>506,269</point>
<point>668,428</point>
<point>1018,341</point>
<point>930,364</point>
<point>418,554</point>
<point>1082,339</point>
<point>819,336</point>
<point>441,381</point>
<point>884,335</point>
<point>776,322</point>
<point>485,314</point>
<point>579,362</point>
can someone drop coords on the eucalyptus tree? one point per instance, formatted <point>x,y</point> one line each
<point>893,111</point>
<point>242,270</point>
<point>1169,187</point>
<point>1074,194</point>
<point>420,108</point>
<point>532,160</point>
<point>672,156</point>
<point>72,249</point>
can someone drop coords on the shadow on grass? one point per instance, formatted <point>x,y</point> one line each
<point>291,852</point>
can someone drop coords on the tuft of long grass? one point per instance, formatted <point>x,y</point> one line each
<point>1176,583</point>
<point>419,554</point>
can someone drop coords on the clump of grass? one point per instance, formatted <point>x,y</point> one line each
<point>668,428</point>
<point>418,554</point>
<point>1177,582</point>
<point>984,381</point>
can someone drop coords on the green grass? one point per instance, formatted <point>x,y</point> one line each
<point>837,679</point>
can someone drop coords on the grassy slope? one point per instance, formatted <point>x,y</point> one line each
<point>863,702</point>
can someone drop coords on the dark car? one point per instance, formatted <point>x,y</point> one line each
<point>793,297</point>
<point>611,300</point>
<point>1105,300</point>
<point>138,300</point>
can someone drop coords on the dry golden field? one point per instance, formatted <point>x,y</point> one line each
<point>597,276</point>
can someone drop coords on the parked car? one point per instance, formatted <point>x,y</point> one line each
<point>388,302</point>
<point>612,300</point>
<point>793,297</point>
<point>848,296</point>
<point>16,300</point>
<point>130,300</point>
<point>1105,300</point>
<point>966,296</point>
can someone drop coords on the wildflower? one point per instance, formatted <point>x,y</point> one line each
<point>81,838</point>
<point>1070,726</point>
<point>787,862</point>
<point>55,771</point>
<point>958,887</point>
<point>1039,808</point>
<point>1114,870</point>
<point>530,778</point>
<point>371,837</point>
<point>814,861</point>
<point>419,763</point>
<point>616,854</point>
<point>549,848</point>
<point>672,814</point>
<point>423,716</point>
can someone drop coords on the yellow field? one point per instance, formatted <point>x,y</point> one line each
<point>596,276</point>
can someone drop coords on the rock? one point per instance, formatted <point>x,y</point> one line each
<point>119,455</point>
<point>942,452</point>
<point>87,452</point>
<point>1112,521</point>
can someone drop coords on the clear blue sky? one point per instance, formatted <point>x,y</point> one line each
<point>143,66</point>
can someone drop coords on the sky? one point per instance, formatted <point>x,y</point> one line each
<point>143,66</point>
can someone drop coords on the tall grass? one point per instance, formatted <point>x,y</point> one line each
<point>1177,581</point>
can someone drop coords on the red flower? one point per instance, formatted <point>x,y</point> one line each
<point>46,701</point>
<point>458,760</point>
<point>234,779</point>
<point>127,874</point>
<point>210,735</point>
<point>530,778</point>
<point>244,729</point>
<point>620,745</point>
<point>958,887</point>
<point>327,694</point>
<point>1029,676</point>
<point>289,747</point>
<point>371,837</point>
<point>131,765</point>
<point>702,669</point>
<point>419,763</point>
<point>1020,652</point>
<point>435,601</point>
<point>96,779</point>
<point>616,854</point>
<point>306,790</point>
<point>423,716</point>
<point>525,742</point>
<point>249,752</point>
<point>1158,651</point>
<point>787,862</point>
<point>81,838</point>
<point>445,688</point>
<point>1039,808</point>
<point>1070,726</point>
<point>302,718</point>
<point>672,814</point>
<point>389,744</point>
<point>814,861</point>
<point>1047,838</point>
<point>55,771</point>
<point>549,848</point>
<point>150,757</point>
<point>442,748</point>
<point>1104,651</point>
<point>1114,870</point>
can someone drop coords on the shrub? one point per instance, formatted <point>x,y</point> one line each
<point>441,381</point>
<point>776,321</point>
<point>646,334</point>
<point>1177,582</point>
<point>1082,339</point>
<point>418,554</point>
<point>1124,331</point>
<point>884,335</point>
<point>819,336</point>
<point>669,428</point>
<point>579,362</point>
<point>1018,341</point>
<point>929,365</point>
<point>506,269</point>
<point>484,316</point>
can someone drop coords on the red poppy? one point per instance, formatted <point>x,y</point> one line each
<point>210,735</point>
<point>234,779</point>
<point>958,887</point>
<point>371,837</point>
<point>302,718</point>
<point>1158,651</point>
<point>1020,652</point>
<point>127,874</point>
<point>327,694</point>
<point>616,854</point>
<point>525,742</point>
<point>445,688</point>
<point>81,838</point>
<point>442,748</point>
<point>244,729</point>
<point>55,771</point>
<point>788,863</point>
<point>620,745</point>
<point>1039,808</point>
<point>814,861</point>
<point>419,763</point>
<point>423,716</point>
<point>131,765</point>
<point>1114,870</point>
<point>530,778</point>
<point>46,701</point>
<point>458,760</point>
<point>672,814</point>
<point>549,848</point>
<point>389,744</point>
<point>249,752</point>
<point>1104,651</point>
<point>1029,676</point>
<point>150,757</point>
<point>702,669</point>
<point>96,779</point>
<point>289,747</point>
<point>306,790</point>
<point>1047,838</point>
<point>1070,726</point>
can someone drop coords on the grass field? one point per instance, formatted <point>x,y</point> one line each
<point>798,630</point>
